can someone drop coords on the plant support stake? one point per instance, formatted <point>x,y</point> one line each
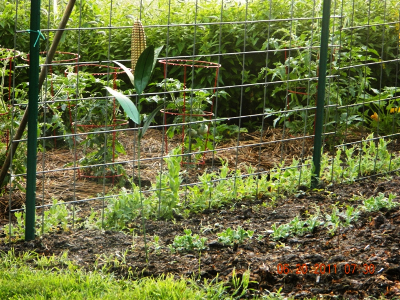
<point>43,74</point>
<point>319,122</point>
<point>32,120</point>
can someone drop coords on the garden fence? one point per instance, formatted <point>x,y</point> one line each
<point>259,98</point>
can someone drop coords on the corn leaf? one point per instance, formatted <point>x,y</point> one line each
<point>143,69</point>
<point>127,71</point>
<point>148,120</point>
<point>157,52</point>
<point>127,105</point>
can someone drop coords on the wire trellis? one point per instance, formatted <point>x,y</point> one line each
<point>261,100</point>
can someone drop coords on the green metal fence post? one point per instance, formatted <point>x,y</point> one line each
<point>32,120</point>
<point>319,122</point>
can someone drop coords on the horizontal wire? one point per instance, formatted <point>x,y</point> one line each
<point>370,25</point>
<point>369,176</point>
<point>201,89</point>
<point>370,63</point>
<point>213,181</point>
<point>182,56</point>
<point>181,25</point>
<point>179,155</point>
<point>175,124</point>
<point>368,140</point>
<point>368,102</point>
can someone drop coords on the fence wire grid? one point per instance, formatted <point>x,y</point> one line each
<point>238,80</point>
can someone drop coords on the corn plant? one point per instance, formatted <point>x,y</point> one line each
<point>138,42</point>
<point>143,71</point>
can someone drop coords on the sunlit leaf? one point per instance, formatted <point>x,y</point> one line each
<point>127,71</point>
<point>126,104</point>
<point>143,70</point>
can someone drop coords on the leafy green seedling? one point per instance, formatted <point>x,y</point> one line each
<point>379,202</point>
<point>156,244</point>
<point>230,236</point>
<point>351,214</point>
<point>188,242</point>
<point>280,232</point>
<point>297,226</point>
<point>313,222</point>
<point>333,220</point>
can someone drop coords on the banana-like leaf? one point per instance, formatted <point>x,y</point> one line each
<point>127,71</point>
<point>143,69</point>
<point>148,120</point>
<point>127,105</point>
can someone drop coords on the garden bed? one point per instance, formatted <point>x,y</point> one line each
<point>370,245</point>
<point>65,185</point>
<point>358,260</point>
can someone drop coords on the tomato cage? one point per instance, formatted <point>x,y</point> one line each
<point>296,89</point>
<point>194,137</point>
<point>97,124</point>
<point>57,67</point>
<point>7,57</point>
<point>54,68</point>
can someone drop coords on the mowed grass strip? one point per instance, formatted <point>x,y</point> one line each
<point>21,280</point>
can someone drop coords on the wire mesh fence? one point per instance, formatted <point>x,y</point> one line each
<point>238,82</point>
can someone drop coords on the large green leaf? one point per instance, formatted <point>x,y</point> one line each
<point>156,54</point>
<point>143,69</point>
<point>148,120</point>
<point>127,105</point>
<point>127,71</point>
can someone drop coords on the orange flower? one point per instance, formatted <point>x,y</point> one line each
<point>375,117</point>
<point>394,109</point>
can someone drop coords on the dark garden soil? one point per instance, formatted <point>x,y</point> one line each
<point>357,261</point>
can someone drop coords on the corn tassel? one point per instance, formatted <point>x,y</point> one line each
<point>138,43</point>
